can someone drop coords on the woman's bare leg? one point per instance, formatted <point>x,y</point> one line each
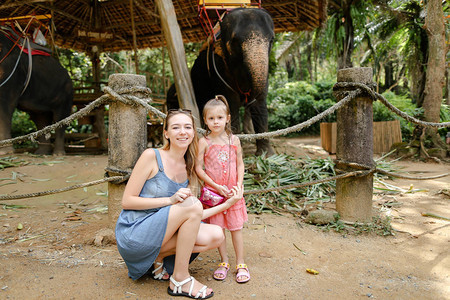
<point>184,221</point>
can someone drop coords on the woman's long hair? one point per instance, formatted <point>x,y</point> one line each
<point>191,152</point>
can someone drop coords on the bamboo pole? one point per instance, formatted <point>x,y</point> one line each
<point>172,35</point>
<point>127,137</point>
<point>355,144</point>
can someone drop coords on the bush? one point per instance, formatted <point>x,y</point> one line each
<point>297,102</point>
<point>21,124</point>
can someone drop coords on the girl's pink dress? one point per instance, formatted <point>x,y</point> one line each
<point>221,166</point>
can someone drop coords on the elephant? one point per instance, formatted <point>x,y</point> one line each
<point>36,84</point>
<point>236,66</point>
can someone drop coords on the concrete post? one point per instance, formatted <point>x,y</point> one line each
<point>127,137</point>
<point>355,144</point>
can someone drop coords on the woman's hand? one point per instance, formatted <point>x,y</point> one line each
<point>237,194</point>
<point>181,195</point>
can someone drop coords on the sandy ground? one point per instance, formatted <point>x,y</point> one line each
<point>53,257</point>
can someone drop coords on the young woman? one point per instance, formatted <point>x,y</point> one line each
<point>161,216</point>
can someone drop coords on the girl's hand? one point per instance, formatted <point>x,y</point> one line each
<point>223,190</point>
<point>237,194</point>
<point>181,195</point>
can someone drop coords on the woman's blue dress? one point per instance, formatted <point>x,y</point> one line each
<point>139,233</point>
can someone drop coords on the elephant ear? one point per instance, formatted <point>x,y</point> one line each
<point>218,50</point>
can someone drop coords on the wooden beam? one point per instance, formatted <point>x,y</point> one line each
<point>37,17</point>
<point>61,12</point>
<point>172,34</point>
<point>20,3</point>
<point>136,59</point>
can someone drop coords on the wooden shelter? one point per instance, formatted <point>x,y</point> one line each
<point>109,24</point>
<point>95,26</point>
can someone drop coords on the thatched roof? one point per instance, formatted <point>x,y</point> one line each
<point>111,21</point>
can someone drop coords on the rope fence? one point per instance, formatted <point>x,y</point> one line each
<point>129,96</point>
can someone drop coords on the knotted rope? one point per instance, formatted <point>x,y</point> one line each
<point>126,97</point>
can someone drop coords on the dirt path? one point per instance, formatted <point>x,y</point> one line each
<point>53,256</point>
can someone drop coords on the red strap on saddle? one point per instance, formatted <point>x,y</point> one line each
<point>34,51</point>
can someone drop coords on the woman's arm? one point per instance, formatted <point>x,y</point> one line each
<point>146,167</point>
<point>237,195</point>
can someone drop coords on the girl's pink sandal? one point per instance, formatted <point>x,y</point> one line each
<point>242,270</point>
<point>221,271</point>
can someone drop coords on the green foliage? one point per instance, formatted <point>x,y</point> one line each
<point>296,102</point>
<point>278,170</point>
<point>445,117</point>
<point>22,125</point>
<point>379,226</point>
<point>403,103</point>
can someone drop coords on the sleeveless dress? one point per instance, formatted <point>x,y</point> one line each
<point>221,166</point>
<point>140,233</point>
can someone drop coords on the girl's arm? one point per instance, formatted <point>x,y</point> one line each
<point>146,167</point>
<point>199,168</point>
<point>240,164</point>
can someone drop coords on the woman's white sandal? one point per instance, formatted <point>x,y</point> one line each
<point>201,294</point>
<point>160,275</point>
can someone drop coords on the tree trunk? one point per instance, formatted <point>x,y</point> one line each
<point>345,55</point>
<point>447,92</point>
<point>309,60</point>
<point>434,26</point>
<point>388,75</point>
<point>417,80</point>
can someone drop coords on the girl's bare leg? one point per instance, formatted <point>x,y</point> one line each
<point>223,254</point>
<point>238,244</point>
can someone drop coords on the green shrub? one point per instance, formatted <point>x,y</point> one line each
<point>21,124</point>
<point>297,102</point>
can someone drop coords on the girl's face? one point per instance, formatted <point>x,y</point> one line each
<point>216,118</point>
<point>180,130</point>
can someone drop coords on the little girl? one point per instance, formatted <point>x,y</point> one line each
<point>220,165</point>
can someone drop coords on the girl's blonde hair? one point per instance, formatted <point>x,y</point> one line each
<point>191,152</point>
<point>219,100</point>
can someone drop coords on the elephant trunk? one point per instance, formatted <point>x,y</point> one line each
<point>256,58</point>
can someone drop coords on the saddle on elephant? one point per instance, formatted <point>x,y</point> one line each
<point>18,39</point>
<point>211,12</point>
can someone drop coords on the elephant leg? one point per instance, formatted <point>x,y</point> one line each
<point>62,113</point>
<point>59,141</point>
<point>233,102</point>
<point>260,123</point>
<point>41,120</point>
<point>248,124</point>
<point>5,130</point>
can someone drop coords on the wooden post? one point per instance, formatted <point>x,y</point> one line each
<point>355,144</point>
<point>172,34</point>
<point>127,137</point>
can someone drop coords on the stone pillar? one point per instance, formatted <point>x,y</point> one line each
<point>127,136</point>
<point>355,144</point>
